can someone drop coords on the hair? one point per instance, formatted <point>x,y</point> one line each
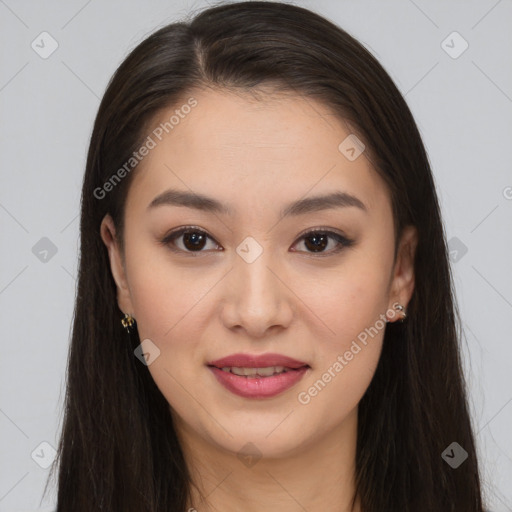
<point>118,449</point>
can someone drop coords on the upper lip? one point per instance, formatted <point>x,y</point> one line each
<point>256,361</point>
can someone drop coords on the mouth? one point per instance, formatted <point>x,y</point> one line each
<point>252,373</point>
<point>258,376</point>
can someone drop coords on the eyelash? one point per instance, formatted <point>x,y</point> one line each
<point>343,241</point>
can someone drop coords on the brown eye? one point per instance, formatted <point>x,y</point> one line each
<point>317,241</point>
<point>194,241</point>
<point>188,240</point>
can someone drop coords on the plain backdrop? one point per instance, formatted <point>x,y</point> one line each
<point>458,86</point>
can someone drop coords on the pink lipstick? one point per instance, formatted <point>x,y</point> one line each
<point>258,376</point>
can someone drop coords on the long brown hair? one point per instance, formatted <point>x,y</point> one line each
<point>118,450</point>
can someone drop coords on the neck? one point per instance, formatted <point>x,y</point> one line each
<point>319,476</point>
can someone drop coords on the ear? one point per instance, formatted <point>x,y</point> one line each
<point>402,284</point>
<point>108,235</point>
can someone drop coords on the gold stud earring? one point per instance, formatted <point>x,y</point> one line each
<point>128,322</point>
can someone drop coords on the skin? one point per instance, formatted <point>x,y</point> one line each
<point>256,157</point>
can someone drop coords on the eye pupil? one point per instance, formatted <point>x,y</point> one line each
<point>196,239</point>
<point>319,242</point>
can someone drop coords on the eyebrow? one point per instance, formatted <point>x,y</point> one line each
<point>173,197</point>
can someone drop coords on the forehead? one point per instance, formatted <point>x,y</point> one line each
<point>274,148</point>
<point>276,124</point>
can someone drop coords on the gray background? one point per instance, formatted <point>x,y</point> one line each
<point>463,108</point>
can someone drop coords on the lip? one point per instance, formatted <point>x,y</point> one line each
<point>258,387</point>
<point>257,361</point>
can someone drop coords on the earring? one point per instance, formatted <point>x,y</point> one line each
<point>400,308</point>
<point>127,322</point>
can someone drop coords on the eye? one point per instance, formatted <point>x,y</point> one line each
<point>316,240</point>
<point>192,240</point>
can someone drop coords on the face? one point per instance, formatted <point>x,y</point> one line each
<point>257,276</point>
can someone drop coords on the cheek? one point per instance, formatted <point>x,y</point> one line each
<point>169,312</point>
<point>350,300</point>
<point>345,361</point>
<point>352,303</point>
<point>165,297</point>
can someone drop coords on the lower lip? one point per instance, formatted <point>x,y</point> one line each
<point>258,387</point>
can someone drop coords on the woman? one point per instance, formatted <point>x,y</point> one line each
<point>265,315</point>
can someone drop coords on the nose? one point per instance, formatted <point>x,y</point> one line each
<point>257,296</point>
